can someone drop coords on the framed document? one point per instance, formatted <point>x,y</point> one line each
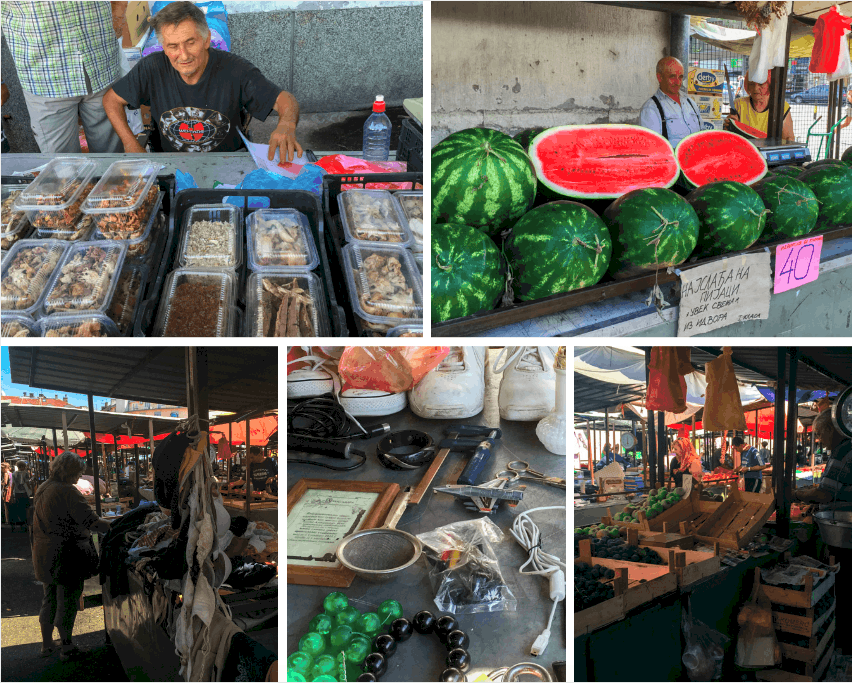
<point>320,513</point>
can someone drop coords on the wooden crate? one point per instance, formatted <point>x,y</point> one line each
<point>812,672</point>
<point>806,598</point>
<point>737,520</point>
<point>815,649</point>
<point>689,565</point>
<point>689,508</point>
<point>801,625</point>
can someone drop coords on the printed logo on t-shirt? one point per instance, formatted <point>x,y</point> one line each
<point>190,129</point>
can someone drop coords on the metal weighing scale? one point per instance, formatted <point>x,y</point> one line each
<point>779,153</point>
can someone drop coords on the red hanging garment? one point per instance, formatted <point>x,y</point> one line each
<point>829,29</point>
<point>666,385</point>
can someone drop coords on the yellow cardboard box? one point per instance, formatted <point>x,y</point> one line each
<point>706,82</point>
<point>137,22</point>
<point>709,107</point>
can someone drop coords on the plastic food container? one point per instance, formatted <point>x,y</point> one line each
<point>15,224</point>
<point>78,232</point>
<point>54,198</point>
<point>370,216</point>
<point>88,325</point>
<point>127,297</point>
<point>123,199</point>
<point>384,286</point>
<point>212,237</point>
<point>411,203</point>
<point>138,246</point>
<point>406,331</point>
<point>418,259</point>
<point>17,325</point>
<point>283,304</point>
<point>86,278</point>
<point>197,303</point>
<point>280,239</point>
<point>27,272</point>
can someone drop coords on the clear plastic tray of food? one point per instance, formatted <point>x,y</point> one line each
<point>373,216</point>
<point>212,237</point>
<point>385,287</point>
<point>54,198</point>
<point>280,239</point>
<point>17,325</point>
<point>86,325</point>
<point>138,242</point>
<point>81,231</point>
<point>411,202</point>
<point>197,303</point>
<point>15,224</point>
<point>127,296</point>
<point>406,331</point>
<point>123,188</point>
<point>86,278</point>
<point>285,304</point>
<point>418,259</point>
<point>27,271</point>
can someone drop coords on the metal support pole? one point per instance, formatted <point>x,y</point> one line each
<point>55,443</point>
<point>248,468</point>
<point>136,496</point>
<point>679,38</point>
<point>64,431</point>
<point>662,448</point>
<point>778,436</point>
<point>95,457</point>
<point>606,429</point>
<point>589,444</point>
<point>783,508</point>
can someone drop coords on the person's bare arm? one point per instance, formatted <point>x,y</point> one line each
<point>114,108</point>
<point>283,138</point>
<point>846,121</point>
<point>5,93</point>
<point>101,526</point>
<point>787,132</point>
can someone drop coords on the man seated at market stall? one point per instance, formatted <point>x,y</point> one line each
<point>670,112</point>
<point>836,482</point>
<point>754,110</point>
<point>196,92</point>
<point>262,471</point>
<point>752,464</point>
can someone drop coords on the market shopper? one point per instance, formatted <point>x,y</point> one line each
<point>20,496</point>
<point>61,550</point>
<point>262,472</point>
<point>688,460</point>
<point>754,109</point>
<point>7,489</point>
<point>752,464</point>
<point>196,92</point>
<point>669,111</point>
<point>836,482</point>
<point>67,56</point>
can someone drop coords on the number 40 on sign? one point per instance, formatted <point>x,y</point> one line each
<point>797,263</point>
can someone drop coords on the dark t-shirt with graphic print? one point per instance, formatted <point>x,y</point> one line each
<point>203,117</point>
<point>260,472</point>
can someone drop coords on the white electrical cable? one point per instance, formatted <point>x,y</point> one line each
<point>527,534</point>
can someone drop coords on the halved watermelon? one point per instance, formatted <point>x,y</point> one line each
<point>711,156</point>
<point>602,161</point>
<point>745,130</point>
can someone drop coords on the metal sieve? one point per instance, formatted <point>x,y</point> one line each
<point>378,555</point>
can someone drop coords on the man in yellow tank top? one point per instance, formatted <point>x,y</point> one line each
<point>754,109</point>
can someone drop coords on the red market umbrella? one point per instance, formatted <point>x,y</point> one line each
<point>261,429</point>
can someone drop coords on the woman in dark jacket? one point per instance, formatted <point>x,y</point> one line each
<point>62,522</point>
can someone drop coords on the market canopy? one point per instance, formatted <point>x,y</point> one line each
<point>107,423</point>
<point>32,435</point>
<point>240,379</point>
<point>261,429</point>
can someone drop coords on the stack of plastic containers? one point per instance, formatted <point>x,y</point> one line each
<point>284,298</point>
<point>411,203</point>
<point>27,270</point>
<point>385,285</point>
<point>199,297</point>
<point>15,224</point>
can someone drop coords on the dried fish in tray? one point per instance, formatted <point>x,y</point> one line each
<point>212,237</point>
<point>14,325</point>
<point>77,326</point>
<point>279,239</point>
<point>15,224</point>
<point>411,202</point>
<point>285,305</point>
<point>27,270</point>
<point>372,216</point>
<point>86,278</point>
<point>125,299</point>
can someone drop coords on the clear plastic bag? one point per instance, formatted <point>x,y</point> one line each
<point>704,651</point>
<point>463,568</point>
<point>391,368</point>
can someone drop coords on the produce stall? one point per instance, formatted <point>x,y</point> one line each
<point>746,588</point>
<point>588,224</point>
<point>207,262</point>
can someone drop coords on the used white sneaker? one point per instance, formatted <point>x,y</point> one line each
<point>528,386</point>
<point>309,378</point>
<point>453,390</point>
<point>371,402</point>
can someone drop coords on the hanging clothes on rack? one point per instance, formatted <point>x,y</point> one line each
<point>828,31</point>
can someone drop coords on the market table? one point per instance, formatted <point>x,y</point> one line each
<point>497,639</point>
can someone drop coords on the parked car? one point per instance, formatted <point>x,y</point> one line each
<point>816,95</point>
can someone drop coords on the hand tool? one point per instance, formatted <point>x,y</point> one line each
<point>520,469</point>
<point>482,453</point>
<point>486,495</point>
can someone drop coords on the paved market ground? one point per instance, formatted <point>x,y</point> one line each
<point>20,638</point>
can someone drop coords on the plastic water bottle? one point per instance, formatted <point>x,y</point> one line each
<point>377,133</point>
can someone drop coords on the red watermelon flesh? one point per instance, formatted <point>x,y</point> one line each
<point>746,130</point>
<point>712,156</point>
<point>602,161</point>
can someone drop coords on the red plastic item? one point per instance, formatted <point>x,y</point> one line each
<point>388,368</point>
<point>666,385</point>
<point>829,29</point>
<point>340,164</point>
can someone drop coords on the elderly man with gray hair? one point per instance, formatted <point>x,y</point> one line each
<point>196,92</point>
<point>670,112</point>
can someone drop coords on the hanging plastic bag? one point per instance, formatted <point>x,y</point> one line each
<point>722,406</point>
<point>704,651</point>
<point>666,385</point>
<point>463,568</point>
<point>392,369</point>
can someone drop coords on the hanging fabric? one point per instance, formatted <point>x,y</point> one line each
<point>829,28</point>
<point>769,48</point>
<point>666,383</point>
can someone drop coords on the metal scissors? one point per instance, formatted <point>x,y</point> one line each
<point>520,469</point>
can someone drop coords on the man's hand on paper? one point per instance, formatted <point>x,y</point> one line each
<point>283,139</point>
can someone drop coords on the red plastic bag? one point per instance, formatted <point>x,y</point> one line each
<point>666,385</point>
<point>388,368</point>
<point>340,164</point>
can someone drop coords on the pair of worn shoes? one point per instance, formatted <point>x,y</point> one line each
<point>453,390</point>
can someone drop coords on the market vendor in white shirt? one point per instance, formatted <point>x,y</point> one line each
<point>670,112</point>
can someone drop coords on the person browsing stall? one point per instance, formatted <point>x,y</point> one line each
<point>196,92</point>
<point>262,472</point>
<point>670,112</point>
<point>752,464</point>
<point>688,460</point>
<point>754,109</point>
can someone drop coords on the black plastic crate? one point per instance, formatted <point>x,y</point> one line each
<point>332,186</point>
<point>306,202</point>
<point>410,147</point>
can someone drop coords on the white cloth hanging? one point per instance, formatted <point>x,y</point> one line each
<point>844,64</point>
<point>769,48</point>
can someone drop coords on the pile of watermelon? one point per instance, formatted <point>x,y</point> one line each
<point>554,210</point>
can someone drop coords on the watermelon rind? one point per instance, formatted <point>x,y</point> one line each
<point>732,216</point>
<point>832,185</point>
<point>789,170</point>
<point>602,177</point>
<point>824,162</point>
<point>740,128</point>
<point>792,204</point>
<point>481,178</point>
<point>543,193</point>
<point>468,272</point>
<point>527,135</point>
<point>557,247</point>
<point>651,228</point>
<point>720,156</point>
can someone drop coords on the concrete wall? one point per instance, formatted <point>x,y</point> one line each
<point>515,65</point>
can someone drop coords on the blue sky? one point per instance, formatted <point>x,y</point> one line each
<point>12,389</point>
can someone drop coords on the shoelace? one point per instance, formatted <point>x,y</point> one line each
<point>454,362</point>
<point>318,363</point>
<point>530,359</point>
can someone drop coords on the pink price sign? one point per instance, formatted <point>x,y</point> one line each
<point>797,263</point>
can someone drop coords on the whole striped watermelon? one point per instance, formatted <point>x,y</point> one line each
<point>481,178</point>
<point>847,156</point>
<point>793,207</point>
<point>555,248</point>
<point>468,272</point>
<point>543,193</point>
<point>832,186</point>
<point>791,171</point>
<point>525,137</point>
<point>651,229</point>
<point>732,216</point>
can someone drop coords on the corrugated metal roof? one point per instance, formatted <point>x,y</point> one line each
<point>592,394</point>
<point>240,378</point>
<point>50,417</point>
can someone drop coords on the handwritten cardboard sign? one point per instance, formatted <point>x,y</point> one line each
<point>728,291</point>
<point>797,263</point>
